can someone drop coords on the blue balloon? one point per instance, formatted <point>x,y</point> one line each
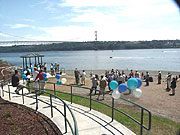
<point>139,82</point>
<point>44,75</point>
<point>122,87</point>
<point>113,85</point>
<point>24,76</point>
<point>22,71</point>
<point>132,83</point>
<point>45,79</point>
<point>58,82</point>
<point>57,76</point>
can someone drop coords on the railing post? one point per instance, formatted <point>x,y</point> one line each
<point>71,94</point>
<point>112,109</point>
<point>36,101</point>
<point>2,90</point>
<point>54,89</point>
<point>9,93</point>
<point>141,128</point>
<point>90,101</point>
<point>65,118</point>
<point>51,105</point>
<point>22,95</point>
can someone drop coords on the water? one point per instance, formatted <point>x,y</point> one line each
<point>140,59</point>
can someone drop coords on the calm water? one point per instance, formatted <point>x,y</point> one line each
<point>142,59</point>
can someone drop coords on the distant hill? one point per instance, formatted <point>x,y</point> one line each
<point>96,45</point>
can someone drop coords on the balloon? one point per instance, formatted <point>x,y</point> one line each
<point>44,75</point>
<point>24,76</point>
<point>57,76</point>
<point>28,76</point>
<point>45,79</point>
<point>139,82</point>
<point>113,85</point>
<point>58,82</point>
<point>122,87</point>
<point>137,93</point>
<point>64,80</point>
<point>22,71</point>
<point>25,72</point>
<point>116,94</point>
<point>132,83</point>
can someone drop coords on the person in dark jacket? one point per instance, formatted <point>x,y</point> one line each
<point>16,83</point>
<point>173,86</point>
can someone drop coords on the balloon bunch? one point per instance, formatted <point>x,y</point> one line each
<point>63,80</point>
<point>44,76</point>
<point>133,84</point>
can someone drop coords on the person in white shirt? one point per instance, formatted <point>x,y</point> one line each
<point>83,77</point>
<point>35,82</point>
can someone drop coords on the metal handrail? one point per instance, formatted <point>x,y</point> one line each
<point>75,132</point>
<point>140,123</point>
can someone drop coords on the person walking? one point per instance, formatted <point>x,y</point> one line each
<point>173,86</point>
<point>102,86</point>
<point>94,84</point>
<point>16,82</point>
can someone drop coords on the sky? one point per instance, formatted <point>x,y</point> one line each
<point>77,20</point>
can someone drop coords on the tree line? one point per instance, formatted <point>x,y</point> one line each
<point>94,45</point>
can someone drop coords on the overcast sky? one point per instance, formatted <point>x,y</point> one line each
<point>77,20</point>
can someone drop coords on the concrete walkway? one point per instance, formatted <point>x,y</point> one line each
<point>89,122</point>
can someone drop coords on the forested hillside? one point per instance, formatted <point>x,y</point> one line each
<point>96,45</point>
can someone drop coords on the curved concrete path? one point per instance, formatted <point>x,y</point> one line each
<point>89,122</point>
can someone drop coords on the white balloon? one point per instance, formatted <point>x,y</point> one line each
<point>137,93</point>
<point>64,80</point>
<point>116,94</point>
<point>25,72</point>
<point>28,76</point>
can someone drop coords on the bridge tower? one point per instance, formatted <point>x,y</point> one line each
<point>95,35</point>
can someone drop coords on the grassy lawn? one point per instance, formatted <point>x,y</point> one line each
<point>159,125</point>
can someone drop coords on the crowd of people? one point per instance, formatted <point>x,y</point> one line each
<point>121,77</point>
<point>36,72</point>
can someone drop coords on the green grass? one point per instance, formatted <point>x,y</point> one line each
<point>159,125</point>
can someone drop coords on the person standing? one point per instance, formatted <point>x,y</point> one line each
<point>16,83</point>
<point>147,78</point>
<point>131,74</point>
<point>159,77</point>
<point>83,77</point>
<point>76,73</point>
<point>35,82</point>
<point>45,67</point>
<point>41,81</point>
<point>168,81</point>
<point>102,86</point>
<point>173,86</point>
